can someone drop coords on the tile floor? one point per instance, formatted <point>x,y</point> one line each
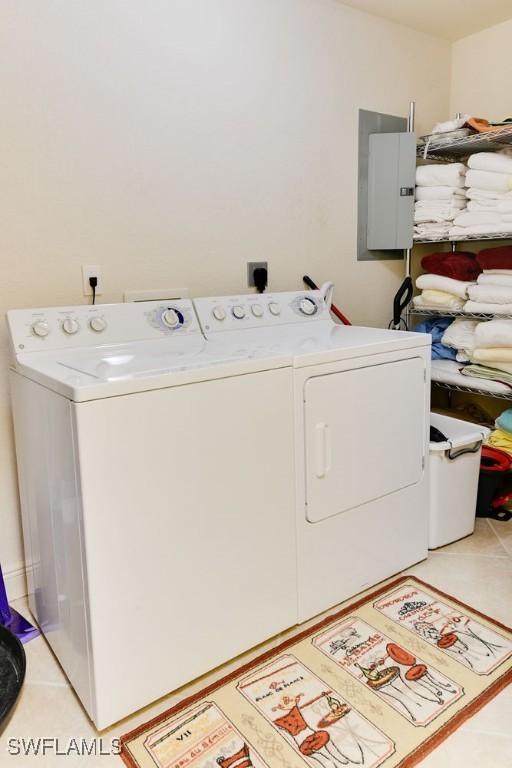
<point>478,570</point>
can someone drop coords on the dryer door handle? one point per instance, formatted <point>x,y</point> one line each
<point>322,449</point>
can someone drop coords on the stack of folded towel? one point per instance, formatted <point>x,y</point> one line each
<point>493,292</point>
<point>443,293</point>
<point>491,357</point>
<point>501,437</point>
<point>489,193</point>
<point>440,197</point>
<point>460,337</point>
<point>460,265</point>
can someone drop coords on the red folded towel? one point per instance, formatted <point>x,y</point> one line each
<point>496,258</point>
<point>460,265</point>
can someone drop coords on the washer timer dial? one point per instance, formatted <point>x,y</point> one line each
<point>172,318</point>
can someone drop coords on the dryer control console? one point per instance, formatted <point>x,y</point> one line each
<point>228,313</point>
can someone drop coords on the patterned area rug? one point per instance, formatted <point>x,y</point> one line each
<point>380,683</point>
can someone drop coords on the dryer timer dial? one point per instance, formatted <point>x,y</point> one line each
<point>307,306</point>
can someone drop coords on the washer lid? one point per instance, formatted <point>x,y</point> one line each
<point>149,358</point>
<point>121,369</point>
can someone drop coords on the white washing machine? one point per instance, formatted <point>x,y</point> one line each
<point>157,487</point>
<point>362,408</point>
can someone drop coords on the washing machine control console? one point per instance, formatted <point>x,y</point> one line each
<point>224,313</point>
<point>90,325</point>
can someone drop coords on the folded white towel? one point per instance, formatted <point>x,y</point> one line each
<point>473,219</point>
<point>440,193</point>
<point>504,206</point>
<point>481,229</point>
<point>446,284</point>
<point>495,279</point>
<point>449,174</point>
<point>496,182</point>
<point>454,204</point>
<point>490,293</point>
<point>432,299</point>
<point>431,229</point>
<point>425,215</point>
<point>473,193</point>
<point>491,161</point>
<point>495,333</point>
<point>449,372</point>
<point>497,272</point>
<point>461,335</point>
<point>487,308</point>
<point>483,206</point>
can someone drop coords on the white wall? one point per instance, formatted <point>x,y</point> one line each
<point>482,73</point>
<point>172,141</point>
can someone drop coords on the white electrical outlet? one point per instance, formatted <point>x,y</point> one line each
<point>92,270</point>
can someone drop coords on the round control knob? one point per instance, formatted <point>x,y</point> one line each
<point>40,328</point>
<point>274,308</point>
<point>238,312</point>
<point>218,313</point>
<point>97,324</point>
<point>307,306</point>
<point>70,326</point>
<point>257,310</point>
<point>170,318</point>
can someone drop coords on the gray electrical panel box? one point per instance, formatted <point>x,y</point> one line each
<point>391,180</point>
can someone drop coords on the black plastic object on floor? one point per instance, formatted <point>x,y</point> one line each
<point>12,672</point>
<point>495,466</point>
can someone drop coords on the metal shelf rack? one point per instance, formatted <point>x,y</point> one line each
<point>438,147</point>
<point>486,236</point>
<point>458,313</point>
<point>473,390</point>
<point>443,149</point>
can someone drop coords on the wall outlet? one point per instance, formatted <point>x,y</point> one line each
<point>92,270</point>
<point>251,266</point>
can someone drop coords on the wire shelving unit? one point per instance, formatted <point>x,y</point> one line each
<point>439,147</point>
<point>458,313</point>
<point>459,239</point>
<point>444,148</point>
<point>472,390</point>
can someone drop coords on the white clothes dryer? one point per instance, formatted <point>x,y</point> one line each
<point>362,408</point>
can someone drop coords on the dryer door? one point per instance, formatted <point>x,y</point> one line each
<point>365,435</point>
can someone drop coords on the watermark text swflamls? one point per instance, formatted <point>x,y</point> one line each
<point>45,745</point>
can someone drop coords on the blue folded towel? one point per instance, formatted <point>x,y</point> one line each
<point>436,328</point>
<point>504,420</point>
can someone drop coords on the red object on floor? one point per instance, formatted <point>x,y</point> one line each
<point>461,265</point>
<point>494,460</point>
<point>496,258</point>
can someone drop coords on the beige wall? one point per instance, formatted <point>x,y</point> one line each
<point>172,141</point>
<point>482,73</point>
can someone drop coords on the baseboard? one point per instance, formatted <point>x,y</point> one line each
<point>16,583</point>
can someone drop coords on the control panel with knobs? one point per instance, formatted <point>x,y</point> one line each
<point>225,313</point>
<point>73,327</point>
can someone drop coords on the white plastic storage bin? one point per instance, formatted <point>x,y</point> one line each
<point>454,470</point>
